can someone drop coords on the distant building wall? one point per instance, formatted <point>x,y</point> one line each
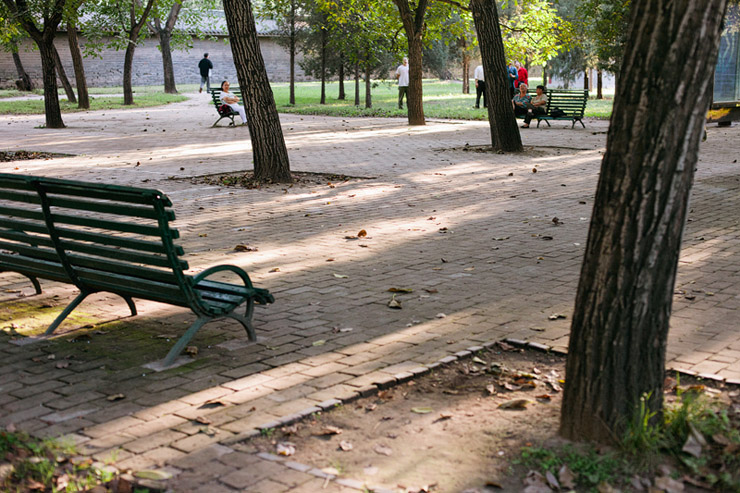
<point>107,69</point>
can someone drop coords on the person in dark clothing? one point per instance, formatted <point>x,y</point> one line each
<point>205,66</point>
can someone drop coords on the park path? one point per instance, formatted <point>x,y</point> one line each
<point>472,233</point>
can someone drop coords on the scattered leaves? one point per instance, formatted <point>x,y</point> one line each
<point>515,404</point>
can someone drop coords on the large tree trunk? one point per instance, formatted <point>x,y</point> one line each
<point>504,130</point>
<point>342,96</point>
<point>63,77</point>
<point>599,84</point>
<point>413,25</point>
<point>167,68</point>
<point>292,53</point>
<point>270,154</point>
<point>323,67</point>
<point>368,87</point>
<point>463,44</point>
<point>620,325</point>
<point>357,84</point>
<point>52,109</point>
<point>26,82</point>
<point>80,80</point>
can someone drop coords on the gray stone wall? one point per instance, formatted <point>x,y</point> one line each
<point>107,69</point>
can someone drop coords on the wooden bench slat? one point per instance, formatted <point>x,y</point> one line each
<point>23,238</point>
<point>117,283</point>
<point>34,266</point>
<point>106,208</point>
<point>114,253</point>
<point>146,273</point>
<point>142,229</point>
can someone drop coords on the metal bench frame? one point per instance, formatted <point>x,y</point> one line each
<point>573,103</point>
<point>216,97</point>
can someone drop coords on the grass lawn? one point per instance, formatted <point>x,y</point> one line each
<point>36,106</point>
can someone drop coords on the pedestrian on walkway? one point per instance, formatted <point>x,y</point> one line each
<point>205,66</point>
<point>480,86</point>
<point>402,74</point>
<point>513,76</point>
<point>522,75</point>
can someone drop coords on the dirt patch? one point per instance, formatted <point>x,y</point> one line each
<point>300,179</point>
<point>6,156</point>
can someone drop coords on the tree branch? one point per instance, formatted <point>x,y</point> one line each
<point>456,4</point>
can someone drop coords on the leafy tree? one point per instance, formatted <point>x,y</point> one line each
<point>268,144</point>
<point>619,333</point>
<point>40,20</point>
<point>530,30</point>
<point>10,34</point>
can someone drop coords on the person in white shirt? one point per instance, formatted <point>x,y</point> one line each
<point>402,74</point>
<point>480,86</point>
<point>233,101</point>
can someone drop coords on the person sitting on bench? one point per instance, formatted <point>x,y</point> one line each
<point>233,101</point>
<point>538,106</point>
<point>521,100</point>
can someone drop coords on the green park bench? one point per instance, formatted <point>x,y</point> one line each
<point>117,239</point>
<point>563,104</point>
<point>225,111</point>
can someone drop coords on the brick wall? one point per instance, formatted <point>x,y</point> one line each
<point>107,69</point>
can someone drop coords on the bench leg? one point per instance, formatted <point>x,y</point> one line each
<point>65,313</point>
<point>246,320</point>
<point>183,341</point>
<point>130,303</point>
<point>35,283</point>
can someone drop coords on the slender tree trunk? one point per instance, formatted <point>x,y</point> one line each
<point>79,68</point>
<point>586,80</point>
<point>128,58</point>
<point>63,77</point>
<point>368,87</point>
<point>357,84</point>
<point>504,130</point>
<point>168,69</point>
<point>463,44</point>
<point>599,84</point>
<point>291,49</point>
<point>52,109</point>
<point>620,325</point>
<point>323,66</point>
<point>26,82</point>
<point>413,25</point>
<point>342,96</point>
<point>544,74</point>
<point>271,161</point>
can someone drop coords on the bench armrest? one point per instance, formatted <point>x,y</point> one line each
<point>220,268</point>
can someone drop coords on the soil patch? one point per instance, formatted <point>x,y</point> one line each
<point>300,179</point>
<point>463,427</point>
<point>22,155</point>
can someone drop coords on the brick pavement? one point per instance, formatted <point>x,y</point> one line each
<point>470,232</point>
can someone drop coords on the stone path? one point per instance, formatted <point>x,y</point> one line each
<point>470,232</point>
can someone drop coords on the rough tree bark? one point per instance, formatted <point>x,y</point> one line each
<point>342,95</point>
<point>413,25</point>
<point>68,90</point>
<point>620,325</point>
<point>165,38</point>
<point>504,130</point>
<point>128,58</point>
<point>45,42</point>
<point>268,144</point>
<point>83,98</point>
<point>26,84</point>
<point>323,66</point>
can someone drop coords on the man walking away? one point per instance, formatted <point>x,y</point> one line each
<point>205,67</point>
<point>480,86</point>
<point>402,74</point>
<point>513,76</point>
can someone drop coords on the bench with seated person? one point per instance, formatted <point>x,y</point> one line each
<point>562,104</point>
<point>226,101</point>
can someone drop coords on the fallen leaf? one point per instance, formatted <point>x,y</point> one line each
<point>207,430</point>
<point>421,410</point>
<point>566,477</point>
<point>285,448</point>
<point>394,303</point>
<point>211,405</point>
<point>694,442</point>
<point>244,248</point>
<point>276,269</point>
<point>491,389</point>
<point>556,316</point>
<point>443,417</point>
<point>400,290</point>
<point>340,276</point>
<point>371,407</point>
<point>320,342</point>
<point>515,404</point>
<point>505,346</point>
<point>330,260</point>
<point>345,446</point>
<point>552,480</point>
<point>329,430</point>
<point>34,485</point>
<point>494,484</point>
<point>383,450</point>
<point>191,350</point>
<point>544,397</point>
<point>115,397</point>
<point>202,420</point>
<point>440,315</point>
<point>362,233</point>
<point>154,474</point>
<point>431,290</point>
<point>62,364</point>
<point>668,484</point>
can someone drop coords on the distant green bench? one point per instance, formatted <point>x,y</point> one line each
<point>108,238</point>
<point>225,111</point>
<point>563,104</point>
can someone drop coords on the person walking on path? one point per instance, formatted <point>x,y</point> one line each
<point>205,66</point>
<point>513,76</point>
<point>402,74</point>
<point>522,75</point>
<point>480,86</point>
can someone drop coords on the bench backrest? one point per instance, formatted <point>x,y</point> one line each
<point>573,103</point>
<point>216,95</point>
<point>98,237</point>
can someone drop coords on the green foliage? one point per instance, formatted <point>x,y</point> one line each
<point>36,107</point>
<point>588,466</point>
<point>643,437</point>
<point>531,30</point>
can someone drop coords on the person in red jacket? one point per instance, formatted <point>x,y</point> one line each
<point>523,75</point>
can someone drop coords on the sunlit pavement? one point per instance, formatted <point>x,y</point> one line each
<point>471,233</point>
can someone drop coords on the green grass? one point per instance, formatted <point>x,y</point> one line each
<point>36,106</point>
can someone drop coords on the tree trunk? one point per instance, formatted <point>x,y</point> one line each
<point>504,130</point>
<point>357,84</point>
<point>63,77</point>
<point>323,66</point>
<point>291,49</point>
<point>269,152</point>
<point>599,84</point>
<point>544,74</point>
<point>52,109</point>
<point>585,80</point>
<point>342,96</point>
<point>368,87</point>
<point>80,80</point>
<point>128,62</point>
<point>620,324</point>
<point>465,65</point>
<point>413,25</point>
<point>26,82</point>
<point>167,68</point>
